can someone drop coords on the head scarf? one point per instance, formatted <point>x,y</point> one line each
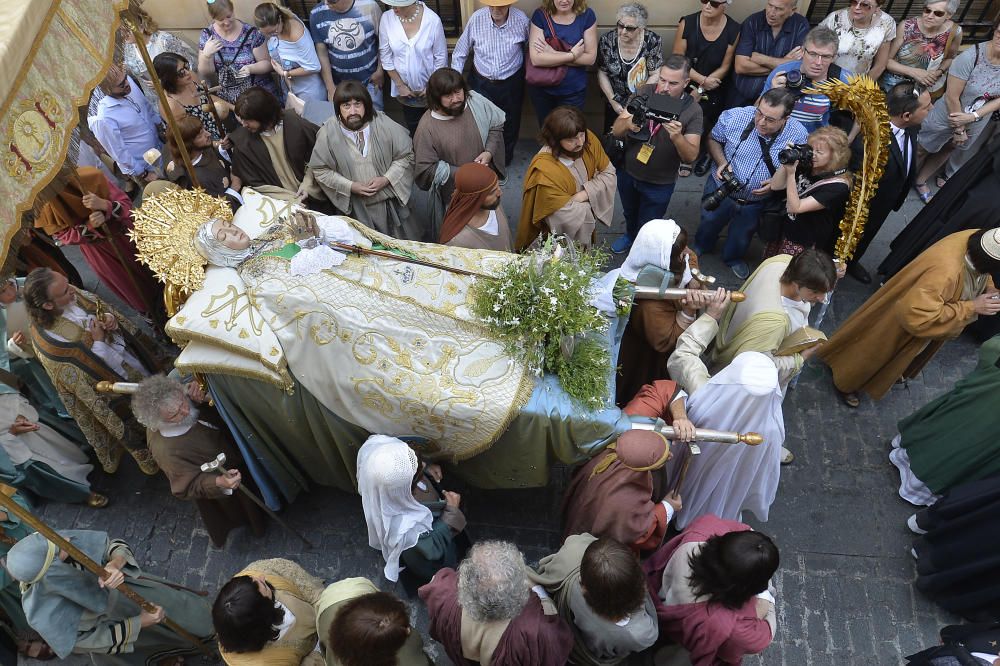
<point>386,467</point>
<point>652,247</point>
<point>66,209</point>
<point>56,594</point>
<point>473,183</point>
<point>208,246</point>
<point>639,450</point>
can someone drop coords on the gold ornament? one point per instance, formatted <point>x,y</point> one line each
<point>862,97</point>
<point>164,232</point>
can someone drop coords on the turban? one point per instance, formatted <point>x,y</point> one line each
<point>473,183</point>
<point>639,450</point>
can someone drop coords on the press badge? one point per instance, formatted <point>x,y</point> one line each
<point>644,153</point>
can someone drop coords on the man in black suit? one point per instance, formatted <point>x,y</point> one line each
<point>908,106</point>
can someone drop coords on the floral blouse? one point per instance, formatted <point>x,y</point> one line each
<point>627,75</point>
<point>858,46</point>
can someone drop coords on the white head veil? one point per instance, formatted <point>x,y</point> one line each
<point>653,246</point>
<point>386,467</point>
<point>215,252</point>
<point>726,479</point>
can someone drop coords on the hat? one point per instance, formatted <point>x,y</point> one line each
<point>399,3</point>
<point>990,242</point>
<point>497,3</point>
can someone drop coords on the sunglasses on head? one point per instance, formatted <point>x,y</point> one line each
<point>714,3</point>
<point>936,12</point>
<point>627,28</point>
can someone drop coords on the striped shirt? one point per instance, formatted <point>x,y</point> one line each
<point>351,38</point>
<point>498,50</point>
<point>744,155</point>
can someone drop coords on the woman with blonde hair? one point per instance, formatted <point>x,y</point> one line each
<point>816,187</point>
<point>290,46</point>
<point>234,51</point>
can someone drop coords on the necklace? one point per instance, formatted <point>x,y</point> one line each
<point>630,61</point>
<point>412,18</point>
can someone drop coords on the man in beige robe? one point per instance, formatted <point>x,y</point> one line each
<point>475,218</point>
<point>363,161</point>
<point>460,126</point>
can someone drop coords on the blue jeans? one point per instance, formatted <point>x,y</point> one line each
<point>642,201</point>
<point>544,101</point>
<point>742,221</point>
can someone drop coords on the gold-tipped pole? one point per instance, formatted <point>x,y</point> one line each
<point>12,507</point>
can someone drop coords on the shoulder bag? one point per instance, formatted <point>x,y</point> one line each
<point>545,77</point>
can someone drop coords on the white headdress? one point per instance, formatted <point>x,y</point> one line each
<point>215,252</point>
<point>652,247</point>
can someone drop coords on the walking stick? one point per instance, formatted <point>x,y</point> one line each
<point>93,567</point>
<point>219,465</point>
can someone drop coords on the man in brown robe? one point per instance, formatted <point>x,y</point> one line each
<point>180,443</point>
<point>621,492</point>
<point>570,184</point>
<point>475,218</point>
<point>900,328</point>
<point>460,127</point>
<point>521,626</point>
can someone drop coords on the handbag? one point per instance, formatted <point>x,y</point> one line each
<point>545,77</point>
<point>773,215</point>
<point>614,147</point>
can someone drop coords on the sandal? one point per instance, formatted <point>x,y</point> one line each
<point>684,169</point>
<point>39,650</point>
<point>851,399</point>
<point>923,192</point>
<point>941,180</point>
<point>97,501</point>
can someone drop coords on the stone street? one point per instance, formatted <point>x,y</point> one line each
<point>845,593</point>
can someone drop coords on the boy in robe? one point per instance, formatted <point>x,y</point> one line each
<point>363,162</point>
<point>600,590</point>
<point>488,613</point>
<point>475,218</point>
<point>12,530</point>
<point>180,443</point>
<point>570,183</point>
<point>904,324</point>
<point>616,494</point>
<point>77,613</point>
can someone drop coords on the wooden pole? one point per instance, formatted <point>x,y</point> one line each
<point>12,507</point>
<point>140,42</point>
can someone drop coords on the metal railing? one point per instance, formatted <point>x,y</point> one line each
<point>975,16</point>
<point>450,12</point>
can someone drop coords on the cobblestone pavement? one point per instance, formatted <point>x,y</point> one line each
<point>845,594</point>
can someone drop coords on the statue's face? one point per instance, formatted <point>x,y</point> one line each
<point>230,235</point>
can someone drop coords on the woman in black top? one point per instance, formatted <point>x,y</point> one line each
<point>816,195</point>
<point>708,39</point>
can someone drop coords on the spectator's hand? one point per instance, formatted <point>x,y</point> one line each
<point>790,168</point>
<point>433,470</point>
<point>764,188</point>
<point>329,94</point>
<point>794,54</point>
<point>195,392</point>
<point>278,69</point>
<point>212,46</point>
<point>577,50</point>
<point>484,158</point>
<point>362,189</point>
<point>581,197</point>
<point>94,202</point>
<point>96,219</point>
<point>235,183</point>
<point>452,499</point>
<point>987,304</point>
<point>96,331</point>
<point>683,430</point>
<point>378,78</point>
<point>779,81</point>
<point>617,107</point>
<point>673,128</point>
<point>928,77</point>
<point>18,339</point>
<point>710,83</point>
<point>114,579</point>
<point>22,425</point>
<point>959,136</point>
<point>148,619</point>
<point>958,120</point>
<point>243,72</point>
<point>230,480</point>
<point>719,171</point>
<point>404,90</point>
<point>717,306</point>
<point>225,144</point>
<point>674,500</point>
<point>541,46</point>
<point>109,322</point>
<point>623,123</point>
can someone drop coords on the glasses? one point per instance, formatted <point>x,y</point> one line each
<point>936,12</point>
<point>766,118</point>
<point>861,4</point>
<point>714,3</point>
<point>627,28</point>
<point>828,57</point>
<point>181,71</point>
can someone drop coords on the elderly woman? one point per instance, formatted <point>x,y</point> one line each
<point>627,57</point>
<point>654,326</point>
<point>924,47</point>
<point>576,25</point>
<point>157,42</point>
<point>866,34</point>
<point>713,589</point>
<point>290,46</point>
<point>235,52</point>
<point>816,191</point>
<point>411,47</point>
<point>971,96</point>
<point>185,97</point>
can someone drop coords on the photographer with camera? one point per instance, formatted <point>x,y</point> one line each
<point>818,52</point>
<point>816,186</point>
<point>662,128</point>
<point>744,144</point>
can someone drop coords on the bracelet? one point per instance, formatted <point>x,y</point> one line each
<point>976,116</point>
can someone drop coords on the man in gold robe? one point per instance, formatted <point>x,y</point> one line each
<point>570,183</point>
<point>900,328</point>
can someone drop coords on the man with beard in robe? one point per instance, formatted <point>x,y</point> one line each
<point>488,613</point>
<point>569,185</point>
<point>475,218</point>
<point>363,161</point>
<point>460,127</point>
<point>180,443</point>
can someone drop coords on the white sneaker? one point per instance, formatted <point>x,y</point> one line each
<point>913,551</point>
<point>786,456</point>
<point>911,522</point>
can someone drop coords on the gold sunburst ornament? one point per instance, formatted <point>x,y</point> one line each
<point>862,97</point>
<point>165,226</point>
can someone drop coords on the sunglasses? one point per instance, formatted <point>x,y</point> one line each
<point>936,12</point>
<point>627,28</point>
<point>714,3</point>
<point>860,4</point>
<point>181,71</point>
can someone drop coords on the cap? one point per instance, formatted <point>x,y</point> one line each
<point>990,243</point>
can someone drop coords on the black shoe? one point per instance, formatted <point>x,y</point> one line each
<point>703,164</point>
<point>858,272</point>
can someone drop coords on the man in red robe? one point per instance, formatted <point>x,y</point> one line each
<point>521,626</point>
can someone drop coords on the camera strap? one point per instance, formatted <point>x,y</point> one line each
<point>765,154</point>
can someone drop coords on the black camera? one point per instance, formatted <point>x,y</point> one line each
<point>799,152</point>
<point>795,81</point>
<point>657,108</point>
<point>729,186</point>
